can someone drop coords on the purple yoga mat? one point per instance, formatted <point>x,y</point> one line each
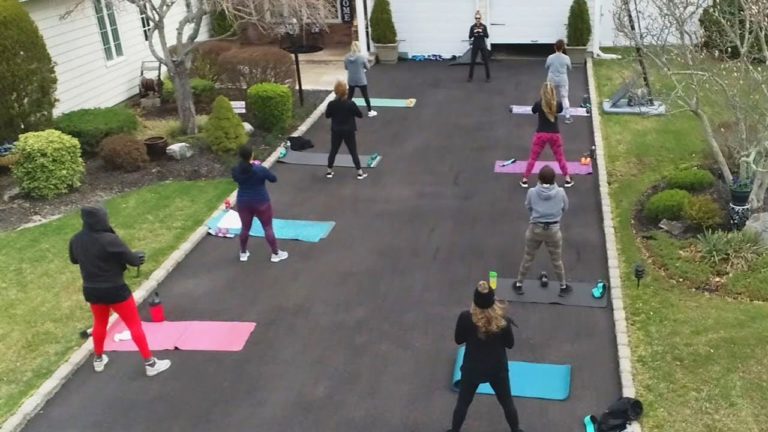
<point>574,168</point>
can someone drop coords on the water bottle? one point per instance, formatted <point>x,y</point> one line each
<point>156,309</point>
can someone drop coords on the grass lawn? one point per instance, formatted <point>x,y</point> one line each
<point>700,362</point>
<point>41,300</point>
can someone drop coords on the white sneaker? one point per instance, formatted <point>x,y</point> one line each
<point>372,113</point>
<point>159,366</point>
<point>244,256</point>
<point>279,256</point>
<point>98,364</point>
<point>362,175</point>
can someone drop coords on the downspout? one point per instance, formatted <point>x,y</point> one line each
<point>596,53</point>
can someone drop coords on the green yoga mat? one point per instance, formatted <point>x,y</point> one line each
<point>529,380</point>
<point>396,103</point>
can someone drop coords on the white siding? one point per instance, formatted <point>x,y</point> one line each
<point>86,78</point>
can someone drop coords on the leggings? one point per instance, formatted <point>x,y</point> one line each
<point>364,91</point>
<point>500,386</point>
<point>550,236</point>
<point>484,54</point>
<point>349,139</point>
<point>129,313</point>
<point>263,211</point>
<point>540,140</point>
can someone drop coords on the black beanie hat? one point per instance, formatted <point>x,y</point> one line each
<point>484,300</point>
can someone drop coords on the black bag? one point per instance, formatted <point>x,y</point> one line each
<point>619,414</point>
<point>300,143</point>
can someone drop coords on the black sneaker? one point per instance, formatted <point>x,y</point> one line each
<point>564,290</point>
<point>568,183</point>
<point>544,279</point>
<point>518,287</point>
<point>524,183</point>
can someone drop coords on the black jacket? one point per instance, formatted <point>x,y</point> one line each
<point>342,113</point>
<point>478,33</point>
<point>483,357</point>
<point>545,125</point>
<point>102,258</point>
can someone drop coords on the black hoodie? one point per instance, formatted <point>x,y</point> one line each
<point>102,257</point>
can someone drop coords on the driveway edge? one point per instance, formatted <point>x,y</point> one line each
<point>614,270</point>
<point>34,403</point>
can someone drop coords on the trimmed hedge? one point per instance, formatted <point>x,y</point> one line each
<point>668,204</point>
<point>92,125</point>
<point>579,27</point>
<point>271,106</point>
<point>692,180</point>
<point>703,212</point>
<point>124,153</point>
<point>244,67</point>
<point>224,130</point>
<point>203,90</point>
<point>382,26</point>
<point>49,164</point>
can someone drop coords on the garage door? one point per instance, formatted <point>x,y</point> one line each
<point>433,26</point>
<point>527,21</point>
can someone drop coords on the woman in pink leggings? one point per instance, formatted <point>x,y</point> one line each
<point>103,257</point>
<point>547,108</point>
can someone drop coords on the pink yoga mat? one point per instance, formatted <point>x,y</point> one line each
<point>574,168</point>
<point>186,335</point>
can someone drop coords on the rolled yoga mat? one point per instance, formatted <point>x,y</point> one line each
<point>392,103</point>
<point>518,167</point>
<point>321,159</point>
<point>526,109</point>
<point>529,380</point>
<point>580,295</point>
<point>185,335</point>
<point>227,224</point>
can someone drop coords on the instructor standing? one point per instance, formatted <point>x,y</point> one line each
<point>478,33</point>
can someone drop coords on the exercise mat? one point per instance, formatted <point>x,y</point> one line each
<point>185,335</point>
<point>391,103</point>
<point>227,224</point>
<point>526,109</point>
<point>518,167</point>
<point>321,159</point>
<point>580,295</point>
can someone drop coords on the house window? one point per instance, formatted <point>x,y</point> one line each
<point>110,36</point>
<point>145,24</point>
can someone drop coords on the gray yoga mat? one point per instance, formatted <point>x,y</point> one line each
<point>580,295</point>
<point>321,159</point>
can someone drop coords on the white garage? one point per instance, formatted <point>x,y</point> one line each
<point>527,21</point>
<point>433,26</point>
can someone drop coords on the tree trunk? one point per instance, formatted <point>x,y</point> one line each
<point>184,100</point>
<point>710,135</point>
<point>757,197</point>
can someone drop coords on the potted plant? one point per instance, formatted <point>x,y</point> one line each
<point>741,189</point>
<point>579,30</point>
<point>156,147</point>
<point>383,32</point>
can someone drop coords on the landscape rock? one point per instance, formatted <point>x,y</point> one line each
<point>248,128</point>
<point>758,223</point>
<point>675,228</point>
<point>11,193</point>
<point>179,151</point>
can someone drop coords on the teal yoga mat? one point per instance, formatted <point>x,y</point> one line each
<point>397,103</point>
<point>308,231</point>
<point>529,380</point>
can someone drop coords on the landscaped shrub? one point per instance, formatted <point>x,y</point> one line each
<point>92,125</point>
<point>382,26</point>
<point>579,28</point>
<point>730,251</point>
<point>271,106</point>
<point>49,163</point>
<point>703,212</point>
<point>224,130</point>
<point>692,180</point>
<point>206,58</point>
<point>169,91</point>
<point>123,152</point>
<point>28,80</point>
<point>244,67</point>
<point>221,24</point>
<point>203,91</point>
<point>668,204</point>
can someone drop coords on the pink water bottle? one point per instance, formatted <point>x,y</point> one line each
<point>156,309</point>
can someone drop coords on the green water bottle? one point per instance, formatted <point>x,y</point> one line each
<point>492,279</point>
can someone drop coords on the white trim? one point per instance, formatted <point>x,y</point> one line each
<point>362,26</point>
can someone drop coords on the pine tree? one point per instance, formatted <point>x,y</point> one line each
<point>579,27</point>
<point>382,27</point>
<point>224,130</point>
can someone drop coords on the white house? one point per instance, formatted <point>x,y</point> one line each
<point>98,49</point>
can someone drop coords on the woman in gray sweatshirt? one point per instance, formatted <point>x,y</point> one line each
<point>356,65</point>
<point>546,203</point>
<point>558,65</point>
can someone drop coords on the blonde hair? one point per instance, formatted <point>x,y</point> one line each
<point>340,88</point>
<point>478,14</point>
<point>488,321</point>
<point>549,100</point>
<point>354,48</point>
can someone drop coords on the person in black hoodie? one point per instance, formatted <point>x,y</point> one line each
<point>478,33</point>
<point>103,257</point>
<point>487,333</point>
<point>342,113</point>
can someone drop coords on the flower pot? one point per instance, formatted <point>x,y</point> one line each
<point>740,198</point>
<point>387,53</point>
<point>578,55</point>
<point>156,147</point>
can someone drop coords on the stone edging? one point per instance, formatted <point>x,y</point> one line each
<point>35,402</point>
<point>614,270</point>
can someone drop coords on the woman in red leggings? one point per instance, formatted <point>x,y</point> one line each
<point>547,108</point>
<point>103,257</point>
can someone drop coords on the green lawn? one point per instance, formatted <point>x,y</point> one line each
<point>700,362</point>
<point>40,291</point>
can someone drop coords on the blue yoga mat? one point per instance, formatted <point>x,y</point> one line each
<point>530,380</point>
<point>308,231</point>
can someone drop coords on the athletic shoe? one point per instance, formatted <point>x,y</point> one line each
<point>524,183</point>
<point>361,176</point>
<point>329,174</point>
<point>372,113</point>
<point>518,287</point>
<point>244,256</point>
<point>568,183</point>
<point>99,363</point>
<point>568,120</point>
<point>155,366</point>
<point>279,256</point>
<point>564,290</point>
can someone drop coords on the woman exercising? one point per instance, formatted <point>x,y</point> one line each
<point>357,65</point>
<point>342,112</point>
<point>478,33</point>
<point>487,333</point>
<point>558,65</point>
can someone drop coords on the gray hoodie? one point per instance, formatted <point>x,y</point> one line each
<point>558,65</point>
<point>356,65</point>
<point>546,203</point>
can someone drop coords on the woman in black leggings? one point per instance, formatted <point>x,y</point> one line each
<point>342,112</point>
<point>487,333</point>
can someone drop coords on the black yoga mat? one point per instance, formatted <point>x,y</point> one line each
<point>580,295</point>
<point>321,159</point>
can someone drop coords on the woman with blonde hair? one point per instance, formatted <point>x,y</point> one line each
<point>547,132</point>
<point>487,333</point>
<point>342,112</point>
<point>357,65</point>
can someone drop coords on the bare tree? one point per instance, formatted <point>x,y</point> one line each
<point>719,76</point>
<point>176,53</point>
